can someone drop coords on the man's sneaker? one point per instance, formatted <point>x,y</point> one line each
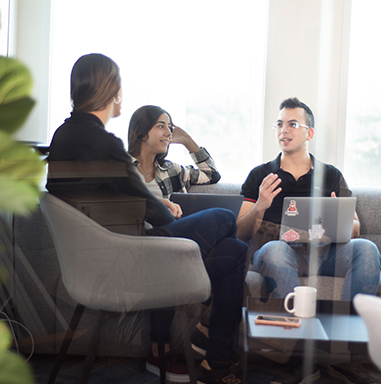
<point>207,375</point>
<point>295,373</point>
<point>199,342</point>
<point>175,370</point>
<point>351,373</point>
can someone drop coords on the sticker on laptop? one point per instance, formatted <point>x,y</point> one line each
<point>317,232</point>
<point>290,235</point>
<point>292,209</point>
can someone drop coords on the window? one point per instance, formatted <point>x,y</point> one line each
<point>202,61</point>
<point>363,130</point>
<point>4,27</point>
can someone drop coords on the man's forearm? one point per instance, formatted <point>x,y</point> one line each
<point>248,224</point>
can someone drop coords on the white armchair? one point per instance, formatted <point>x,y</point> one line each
<point>111,272</point>
<point>369,308</point>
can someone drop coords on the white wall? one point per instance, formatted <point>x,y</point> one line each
<point>308,43</point>
<point>5,27</point>
<point>32,44</point>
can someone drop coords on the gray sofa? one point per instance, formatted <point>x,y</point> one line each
<point>369,211</point>
<point>35,296</point>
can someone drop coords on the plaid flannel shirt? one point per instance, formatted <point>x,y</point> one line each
<point>173,177</point>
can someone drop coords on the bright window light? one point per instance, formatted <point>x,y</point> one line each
<point>202,61</point>
<point>363,130</point>
<point>4,27</point>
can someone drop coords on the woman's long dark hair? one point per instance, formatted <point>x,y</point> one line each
<point>95,81</point>
<point>142,121</point>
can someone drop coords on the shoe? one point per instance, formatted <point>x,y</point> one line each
<point>199,342</point>
<point>351,373</point>
<point>294,373</point>
<point>207,375</point>
<point>175,370</point>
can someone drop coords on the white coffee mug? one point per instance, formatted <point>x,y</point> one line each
<point>304,301</point>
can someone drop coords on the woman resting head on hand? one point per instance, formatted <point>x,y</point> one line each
<point>150,133</point>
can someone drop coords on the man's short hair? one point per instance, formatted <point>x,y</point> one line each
<point>294,102</point>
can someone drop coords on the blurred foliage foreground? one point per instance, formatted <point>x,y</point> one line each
<point>21,170</point>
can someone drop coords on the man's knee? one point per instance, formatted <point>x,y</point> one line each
<point>366,251</point>
<point>273,252</point>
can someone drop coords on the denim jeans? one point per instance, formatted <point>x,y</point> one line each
<point>281,264</point>
<point>225,257</point>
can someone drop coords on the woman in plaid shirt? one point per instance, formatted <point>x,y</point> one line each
<point>150,132</point>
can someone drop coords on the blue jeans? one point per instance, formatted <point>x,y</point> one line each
<point>225,258</point>
<point>281,264</point>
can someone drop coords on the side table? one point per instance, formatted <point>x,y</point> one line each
<point>335,321</point>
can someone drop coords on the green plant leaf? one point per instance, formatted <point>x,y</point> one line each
<point>14,114</point>
<point>15,89</point>
<point>5,337</point>
<point>15,80</point>
<point>13,370</point>
<point>21,170</point>
<point>17,196</point>
<point>19,161</point>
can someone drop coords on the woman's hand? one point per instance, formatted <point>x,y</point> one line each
<point>173,207</point>
<point>179,136</point>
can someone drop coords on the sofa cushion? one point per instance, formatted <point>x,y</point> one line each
<point>368,210</point>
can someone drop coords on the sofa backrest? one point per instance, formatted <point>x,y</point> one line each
<point>368,209</point>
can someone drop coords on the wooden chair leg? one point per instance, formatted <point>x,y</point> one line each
<point>66,342</point>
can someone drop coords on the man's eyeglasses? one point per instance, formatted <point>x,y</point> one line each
<point>291,125</point>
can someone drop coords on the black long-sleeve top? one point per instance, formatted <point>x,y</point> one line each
<point>83,137</point>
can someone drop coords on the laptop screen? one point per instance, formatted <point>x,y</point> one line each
<point>195,202</point>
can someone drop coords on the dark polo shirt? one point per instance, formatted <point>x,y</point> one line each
<point>320,180</point>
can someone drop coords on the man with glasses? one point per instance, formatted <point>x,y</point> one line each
<point>295,172</point>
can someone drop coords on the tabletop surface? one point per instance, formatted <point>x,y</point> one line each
<point>334,321</point>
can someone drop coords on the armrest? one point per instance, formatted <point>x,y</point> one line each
<point>154,272</point>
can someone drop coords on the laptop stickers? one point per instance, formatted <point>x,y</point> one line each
<point>317,219</point>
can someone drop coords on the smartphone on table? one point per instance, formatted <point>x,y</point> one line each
<point>282,321</point>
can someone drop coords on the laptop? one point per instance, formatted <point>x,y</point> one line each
<point>195,202</point>
<point>317,219</point>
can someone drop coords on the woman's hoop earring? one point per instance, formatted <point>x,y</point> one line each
<point>117,100</point>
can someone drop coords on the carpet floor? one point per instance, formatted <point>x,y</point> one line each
<point>132,371</point>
